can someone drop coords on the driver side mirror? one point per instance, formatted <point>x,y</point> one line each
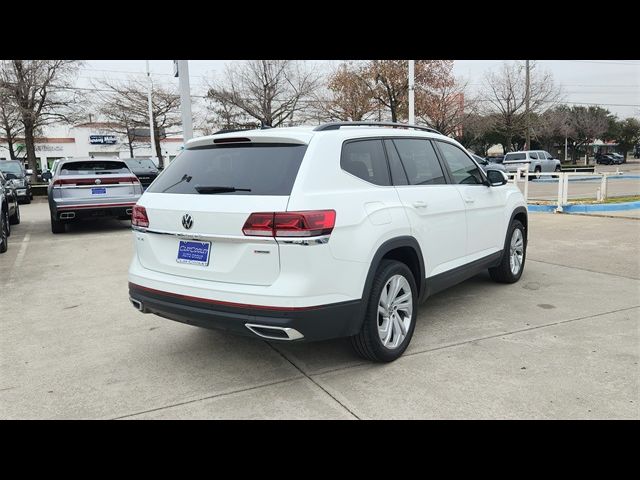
<point>47,175</point>
<point>497,178</point>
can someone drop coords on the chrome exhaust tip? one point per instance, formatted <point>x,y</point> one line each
<point>67,215</point>
<point>128,211</point>
<point>274,333</point>
<point>137,304</point>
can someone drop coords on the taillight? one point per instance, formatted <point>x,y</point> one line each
<point>139,216</point>
<point>290,224</point>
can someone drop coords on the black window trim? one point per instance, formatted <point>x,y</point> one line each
<point>386,159</point>
<point>446,165</point>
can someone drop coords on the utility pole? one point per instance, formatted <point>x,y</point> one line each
<point>412,91</point>
<point>151,132</point>
<point>185,99</point>
<point>527,145</point>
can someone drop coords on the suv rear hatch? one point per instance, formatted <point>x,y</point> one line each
<point>201,202</point>
<point>95,182</point>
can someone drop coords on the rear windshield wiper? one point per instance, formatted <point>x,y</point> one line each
<point>206,189</point>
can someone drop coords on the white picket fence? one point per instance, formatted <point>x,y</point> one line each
<point>523,174</point>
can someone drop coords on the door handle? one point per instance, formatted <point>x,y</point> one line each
<point>420,204</point>
<point>469,200</point>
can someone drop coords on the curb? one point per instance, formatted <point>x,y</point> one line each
<point>603,207</point>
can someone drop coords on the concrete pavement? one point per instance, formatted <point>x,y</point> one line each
<point>564,342</point>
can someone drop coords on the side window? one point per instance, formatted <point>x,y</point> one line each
<point>533,155</point>
<point>420,162</point>
<point>398,175</point>
<point>366,160</point>
<point>463,170</point>
<point>547,156</point>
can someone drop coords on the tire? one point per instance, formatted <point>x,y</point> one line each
<point>537,170</point>
<point>558,169</point>
<point>368,343</point>
<point>4,236</point>
<point>503,273</point>
<point>15,218</point>
<point>57,226</point>
<point>27,200</point>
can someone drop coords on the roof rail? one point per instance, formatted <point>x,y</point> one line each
<point>337,125</point>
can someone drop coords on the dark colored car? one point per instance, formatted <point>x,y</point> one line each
<point>607,159</point>
<point>144,169</point>
<point>11,198</point>
<point>20,181</point>
<point>486,165</point>
<point>494,158</point>
<point>9,211</point>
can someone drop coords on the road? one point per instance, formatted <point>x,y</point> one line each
<point>561,343</point>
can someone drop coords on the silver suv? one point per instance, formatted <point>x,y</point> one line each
<point>537,160</point>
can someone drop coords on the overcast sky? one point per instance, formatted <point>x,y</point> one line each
<point>613,84</point>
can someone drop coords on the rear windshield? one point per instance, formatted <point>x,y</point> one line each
<point>256,169</point>
<point>93,167</point>
<point>11,167</point>
<point>515,156</point>
<point>141,164</point>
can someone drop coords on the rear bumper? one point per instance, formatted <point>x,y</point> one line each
<point>319,322</point>
<point>69,211</point>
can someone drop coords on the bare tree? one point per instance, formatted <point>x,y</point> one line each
<point>41,90</point>
<point>588,123</point>
<point>130,99</point>
<point>224,115</point>
<point>348,98</point>
<point>553,126</point>
<point>10,123</point>
<point>271,91</point>
<point>504,93</point>
<point>441,104</point>
<point>388,81</point>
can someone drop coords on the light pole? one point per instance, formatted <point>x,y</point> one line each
<point>527,95</point>
<point>411,91</point>
<point>185,99</point>
<point>151,132</point>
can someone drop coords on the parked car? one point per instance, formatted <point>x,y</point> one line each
<point>144,169</point>
<point>11,198</point>
<point>86,188</point>
<point>618,156</point>
<point>495,158</point>
<point>9,211</point>
<point>20,179</point>
<point>608,159</point>
<point>486,165</point>
<point>303,233</point>
<point>537,161</point>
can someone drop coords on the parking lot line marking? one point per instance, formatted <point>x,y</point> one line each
<point>22,251</point>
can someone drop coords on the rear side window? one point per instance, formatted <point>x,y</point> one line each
<point>366,160</point>
<point>462,168</point>
<point>515,156</point>
<point>256,169</point>
<point>93,167</point>
<point>420,162</point>
<point>533,155</point>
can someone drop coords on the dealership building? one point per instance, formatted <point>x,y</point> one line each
<point>93,139</point>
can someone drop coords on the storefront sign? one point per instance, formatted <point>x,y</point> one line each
<point>103,139</point>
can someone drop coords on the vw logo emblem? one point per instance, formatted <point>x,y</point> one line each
<point>98,181</point>
<point>187,221</point>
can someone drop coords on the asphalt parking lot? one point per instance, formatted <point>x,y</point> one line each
<point>564,342</point>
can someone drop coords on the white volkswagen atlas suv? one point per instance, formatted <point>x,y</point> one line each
<point>303,233</point>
